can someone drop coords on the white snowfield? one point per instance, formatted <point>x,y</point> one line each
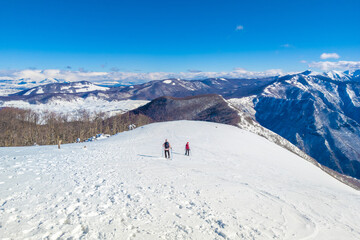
<point>235,185</point>
<point>92,105</point>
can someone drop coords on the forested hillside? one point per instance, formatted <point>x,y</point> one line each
<point>20,127</point>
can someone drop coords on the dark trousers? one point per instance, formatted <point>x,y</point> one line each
<point>187,152</point>
<point>167,153</point>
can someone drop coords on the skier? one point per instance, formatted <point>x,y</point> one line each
<point>167,146</point>
<point>187,149</point>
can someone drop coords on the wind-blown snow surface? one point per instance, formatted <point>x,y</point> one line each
<point>234,185</point>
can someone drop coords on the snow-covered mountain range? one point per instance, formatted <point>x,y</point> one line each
<point>68,99</point>
<point>147,91</point>
<point>318,112</point>
<point>63,88</point>
<point>234,185</point>
<point>8,86</point>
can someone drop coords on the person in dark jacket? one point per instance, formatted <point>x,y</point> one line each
<point>187,149</point>
<point>167,147</point>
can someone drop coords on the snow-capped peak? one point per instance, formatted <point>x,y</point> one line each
<point>73,87</point>
<point>343,76</point>
<point>336,75</point>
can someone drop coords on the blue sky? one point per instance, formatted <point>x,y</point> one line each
<point>177,36</point>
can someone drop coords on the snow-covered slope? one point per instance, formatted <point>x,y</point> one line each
<point>235,185</point>
<point>73,108</point>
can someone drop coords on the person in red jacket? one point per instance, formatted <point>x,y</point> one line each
<point>187,149</point>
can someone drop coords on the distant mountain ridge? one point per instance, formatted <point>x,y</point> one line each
<point>62,88</point>
<point>8,87</point>
<point>46,90</point>
<point>147,91</point>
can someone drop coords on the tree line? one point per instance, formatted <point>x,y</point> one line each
<point>20,127</point>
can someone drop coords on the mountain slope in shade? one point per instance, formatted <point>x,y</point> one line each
<point>212,108</point>
<point>234,185</point>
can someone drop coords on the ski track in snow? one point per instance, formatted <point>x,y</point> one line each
<point>235,185</point>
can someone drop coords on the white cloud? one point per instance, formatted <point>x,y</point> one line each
<point>286,45</point>
<point>340,65</point>
<point>239,27</point>
<point>125,77</point>
<point>67,75</point>
<point>329,55</point>
<point>303,61</point>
